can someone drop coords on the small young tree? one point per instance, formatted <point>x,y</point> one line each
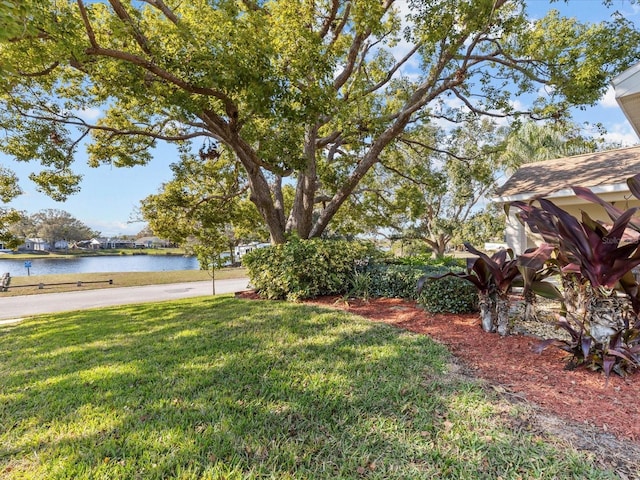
<point>208,247</point>
<point>201,209</point>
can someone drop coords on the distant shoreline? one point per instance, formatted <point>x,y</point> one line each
<point>9,255</point>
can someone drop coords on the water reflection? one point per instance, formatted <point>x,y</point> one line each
<point>116,263</point>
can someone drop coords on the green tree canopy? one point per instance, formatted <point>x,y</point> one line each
<point>54,225</point>
<point>419,192</point>
<point>302,92</point>
<point>8,216</point>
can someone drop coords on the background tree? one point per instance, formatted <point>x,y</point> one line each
<point>55,225</point>
<point>419,192</point>
<point>484,225</point>
<point>145,232</point>
<point>204,208</point>
<point>308,92</point>
<point>534,142</point>
<point>8,216</point>
<point>25,227</point>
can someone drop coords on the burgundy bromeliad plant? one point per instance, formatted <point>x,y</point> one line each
<point>494,277</point>
<point>596,253</point>
<point>535,268</point>
<point>477,273</point>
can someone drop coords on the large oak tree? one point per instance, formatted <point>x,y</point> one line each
<point>303,91</point>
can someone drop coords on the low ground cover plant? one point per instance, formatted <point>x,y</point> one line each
<point>216,388</point>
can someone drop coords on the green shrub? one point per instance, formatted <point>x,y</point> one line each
<point>449,295</point>
<point>394,281</point>
<point>302,269</point>
<point>426,260</point>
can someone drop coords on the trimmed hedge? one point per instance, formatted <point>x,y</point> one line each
<point>302,269</point>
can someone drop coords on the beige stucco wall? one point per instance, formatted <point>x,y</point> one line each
<point>519,237</point>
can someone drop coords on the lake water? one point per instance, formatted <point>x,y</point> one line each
<point>115,263</point>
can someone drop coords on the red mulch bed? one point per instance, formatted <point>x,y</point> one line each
<point>580,395</point>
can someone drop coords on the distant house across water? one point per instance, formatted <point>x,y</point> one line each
<point>153,242</point>
<point>242,250</point>
<point>35,244</point>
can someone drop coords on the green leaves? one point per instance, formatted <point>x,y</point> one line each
<point>305,268</point>
<point>204,207</point>
<point>312,91</point>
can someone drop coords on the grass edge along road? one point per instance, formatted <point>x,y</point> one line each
<point>218,387</point>
<point>120,279</point>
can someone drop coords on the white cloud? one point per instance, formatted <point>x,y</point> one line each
<point>113,228</point>
<point>609,99</point>
<point>89,114</point>
<point>621,133</point>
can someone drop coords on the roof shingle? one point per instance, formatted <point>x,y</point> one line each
<point>611,167</point>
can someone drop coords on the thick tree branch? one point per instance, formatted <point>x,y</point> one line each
<point>328,22</point>
<point>41,73</point>
<point>167,12</point>
<point>123,15</point>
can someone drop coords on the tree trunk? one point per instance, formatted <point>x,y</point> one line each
<point>502,315</point>
<point>530,313</point>
<point>213,279</point>
<point>606,316</point>
<point>575,295</point>
<point>439,247</point>
<point>486,312</point>
<point>301,218</point>
<point>261,195</point>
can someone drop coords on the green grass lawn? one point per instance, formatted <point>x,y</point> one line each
<point>223,388</point>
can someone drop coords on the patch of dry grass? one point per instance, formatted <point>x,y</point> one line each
<point>119,279</point>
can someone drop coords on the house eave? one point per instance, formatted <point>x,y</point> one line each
<point>627,93</point>
<point>564,193</point>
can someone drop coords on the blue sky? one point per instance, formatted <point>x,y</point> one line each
<point>110,195</point>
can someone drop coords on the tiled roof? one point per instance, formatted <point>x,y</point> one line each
<point>611,167</point>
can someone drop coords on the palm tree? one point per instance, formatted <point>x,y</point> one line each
<point>535,142</point>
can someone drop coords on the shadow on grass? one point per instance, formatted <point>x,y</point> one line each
<point>219,387</point>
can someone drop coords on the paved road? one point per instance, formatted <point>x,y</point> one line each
<point>14,308</point>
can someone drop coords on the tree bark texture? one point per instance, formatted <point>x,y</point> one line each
<point>530,313</point>
<point>502,316</point>
<point>486,312</point>
<point>606,317</point>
